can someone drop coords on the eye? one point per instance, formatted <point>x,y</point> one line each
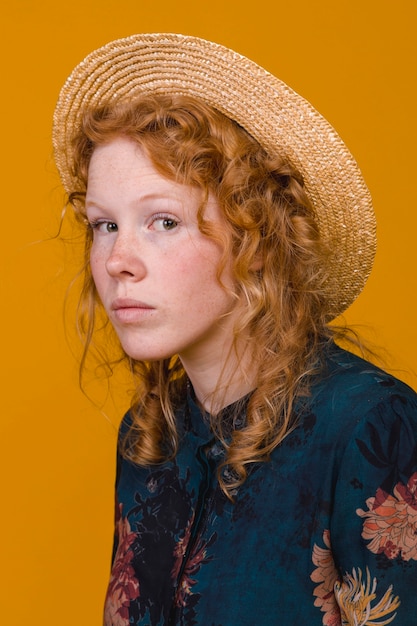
<point>101,226</point>
<point>164,222</point>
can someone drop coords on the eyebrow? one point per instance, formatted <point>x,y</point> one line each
<point>153,196</point>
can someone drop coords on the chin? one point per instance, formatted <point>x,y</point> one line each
<point>140,354</point>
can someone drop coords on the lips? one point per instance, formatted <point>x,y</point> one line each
<point>129,303</point>
<point>128,310</point>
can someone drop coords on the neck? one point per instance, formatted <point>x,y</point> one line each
<point>218,382</point>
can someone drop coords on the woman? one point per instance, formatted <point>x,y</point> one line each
<point>265,475</point>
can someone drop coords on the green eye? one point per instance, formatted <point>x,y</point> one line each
<point>103,227</point>
<point>164,223</point>
<point>169,224</point>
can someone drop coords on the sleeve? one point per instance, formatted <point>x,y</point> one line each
<point>373,522</point>
<point>123,429</point>
<point>116,509</point>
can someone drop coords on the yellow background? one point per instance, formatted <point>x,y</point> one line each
<point>354,60</point>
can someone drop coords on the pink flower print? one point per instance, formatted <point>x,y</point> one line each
<point>409,491</point>
<point>195,559</point>
<point>327,576</point>
<point>123,586</point>
<point>390,524</point>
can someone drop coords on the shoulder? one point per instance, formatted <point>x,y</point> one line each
<point>125,425</point>
<point>348,376</point>
<point>351,392</point>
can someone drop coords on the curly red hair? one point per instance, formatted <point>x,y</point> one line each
<point>270,225</point>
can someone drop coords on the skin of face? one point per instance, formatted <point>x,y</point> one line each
<point>155,272</point>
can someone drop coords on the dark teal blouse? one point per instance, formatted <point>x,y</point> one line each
<point>323,533</point>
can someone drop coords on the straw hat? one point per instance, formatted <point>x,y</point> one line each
<point>278,118</point>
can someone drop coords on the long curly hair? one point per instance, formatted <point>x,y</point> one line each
<point>270,226</point>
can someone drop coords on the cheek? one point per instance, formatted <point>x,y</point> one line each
<point>205,291</point>
<point>199,271</point>
<point>97,266</point>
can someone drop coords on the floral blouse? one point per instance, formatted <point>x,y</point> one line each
<point>325,532</point>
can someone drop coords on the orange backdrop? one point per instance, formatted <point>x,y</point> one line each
<point>354,60</point>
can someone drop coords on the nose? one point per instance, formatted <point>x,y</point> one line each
<point>125,260</point>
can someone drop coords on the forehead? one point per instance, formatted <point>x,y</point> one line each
<point>120,172</point>
<point>124,163</point>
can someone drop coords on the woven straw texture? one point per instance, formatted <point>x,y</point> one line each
<point>281,120</point>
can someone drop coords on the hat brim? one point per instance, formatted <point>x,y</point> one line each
<point>277,117</point>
